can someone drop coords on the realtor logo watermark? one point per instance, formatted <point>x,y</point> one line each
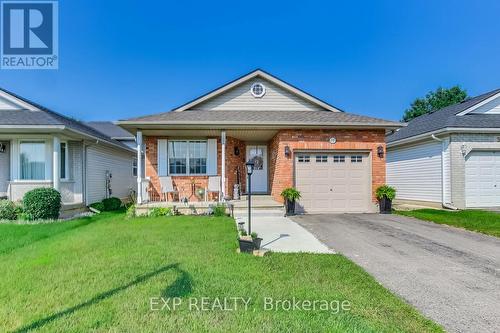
<point>29,34</point>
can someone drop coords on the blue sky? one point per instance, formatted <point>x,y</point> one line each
<point>120,59</point>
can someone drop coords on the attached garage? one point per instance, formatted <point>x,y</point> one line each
<point>482,179</point>
<point>337,182</point>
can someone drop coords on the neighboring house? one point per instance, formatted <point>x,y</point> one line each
<point>335,159</point>
<point>450,157</point>
<point>41,148</point>
<point>114,132</point>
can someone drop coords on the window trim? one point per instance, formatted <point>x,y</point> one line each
<point>188,173</point>
<point>19,143</point>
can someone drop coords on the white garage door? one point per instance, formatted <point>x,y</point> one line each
<point>482,179</point>
<point>328,182</point>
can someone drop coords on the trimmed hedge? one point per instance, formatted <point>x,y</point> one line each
<point>8,210</point>
<point>111,204</point>
<point>42,204</point>
<point>98,205</point>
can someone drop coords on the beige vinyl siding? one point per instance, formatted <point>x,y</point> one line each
<point>99,160</point>
<point>492,107</point>
<point>275,99</point>
<point>4,169</point>
<point>415,171</point>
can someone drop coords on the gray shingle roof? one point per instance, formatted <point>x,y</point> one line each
<point>111,130</point>
<point>263,118</point>
<point>48,117</point>
<point>447,117</point>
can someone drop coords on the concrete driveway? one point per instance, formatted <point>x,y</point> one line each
<point>452,276</point>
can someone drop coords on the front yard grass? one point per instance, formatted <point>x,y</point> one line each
<point>100,273</point>
<point>474,220</point>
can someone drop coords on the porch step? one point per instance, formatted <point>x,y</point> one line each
<point>258,202</point>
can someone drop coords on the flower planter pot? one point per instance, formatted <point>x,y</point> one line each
<point>256,242</point>
<point>290,207</point>
<point>385,205</point>
<point>246,245</point>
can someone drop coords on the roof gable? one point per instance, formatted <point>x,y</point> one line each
<point>489,106</point>
<point>10,102</point>
<point>236,95</point>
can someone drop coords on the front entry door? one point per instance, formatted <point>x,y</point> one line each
<point>258,154</point>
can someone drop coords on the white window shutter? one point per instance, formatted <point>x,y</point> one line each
<point>212,157</point>
<point>162,157</point>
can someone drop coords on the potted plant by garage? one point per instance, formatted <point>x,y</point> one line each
<point>291,195</point>
<point>385,194</point>
<point>246,242</point>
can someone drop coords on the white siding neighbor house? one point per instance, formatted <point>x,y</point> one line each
<point>41,148</point>
<point>450,157</point>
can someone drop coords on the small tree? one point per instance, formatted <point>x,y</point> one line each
<point>435,100</point>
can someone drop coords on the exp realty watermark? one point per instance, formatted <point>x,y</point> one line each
<point>243,304</point>
<point>29,34</point>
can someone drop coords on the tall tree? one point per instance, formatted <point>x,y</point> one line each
<point>435,100</point>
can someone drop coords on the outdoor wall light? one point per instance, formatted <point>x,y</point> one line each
<point>380,151</point>
<point>236,151</point>
<point>3,147</point>
<point>249,166</point>
<point>463,149</point>
<point>288,152</point>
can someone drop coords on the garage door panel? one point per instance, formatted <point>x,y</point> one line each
<point>337,185</point>
<point>482,179</point>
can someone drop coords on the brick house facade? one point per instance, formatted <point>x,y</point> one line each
<point>259,115</point>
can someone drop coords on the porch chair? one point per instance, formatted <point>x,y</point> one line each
<point>214,186</point>
<point>167,186</point>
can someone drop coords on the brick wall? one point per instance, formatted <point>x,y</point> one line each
<point>281,167</point>
<point>184,183</point>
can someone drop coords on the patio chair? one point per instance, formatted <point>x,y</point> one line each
<point>167,186</point>
<point>214,186</point>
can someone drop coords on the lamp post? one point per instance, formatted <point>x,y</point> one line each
<point>249,166</point>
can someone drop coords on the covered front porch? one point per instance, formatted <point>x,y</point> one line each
<point>29,161</point>
<point>192,160</point>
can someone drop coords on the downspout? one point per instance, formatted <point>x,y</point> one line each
<point>443,201</point>
<point>223,164</point>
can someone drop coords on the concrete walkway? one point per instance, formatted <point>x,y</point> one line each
<point>279,233</point>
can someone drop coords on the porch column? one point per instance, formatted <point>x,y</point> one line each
<point>56,163</point>
<point>223,164</point>
<point>139,167</point>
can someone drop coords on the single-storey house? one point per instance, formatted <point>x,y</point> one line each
<point>335,159</point>
<point>42,148</point>
<point>450,157</point>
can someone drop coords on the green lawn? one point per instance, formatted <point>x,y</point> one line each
<point>474,220</point>
<point>100,273</point>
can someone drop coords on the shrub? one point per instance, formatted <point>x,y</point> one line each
<point>130,212</point>
<point>111,204</point>
<point>219,210</point>
<point>98,205</point>
<point>8,210</point>
<point>161,211</point>
<point>290,194</point>
<point>386,191</point>
<point>42,203</point>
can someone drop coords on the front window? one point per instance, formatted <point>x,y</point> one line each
<point>187,157</point>
<point>32,160</point>
<point>64,154</point>
<point>134,167</point>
